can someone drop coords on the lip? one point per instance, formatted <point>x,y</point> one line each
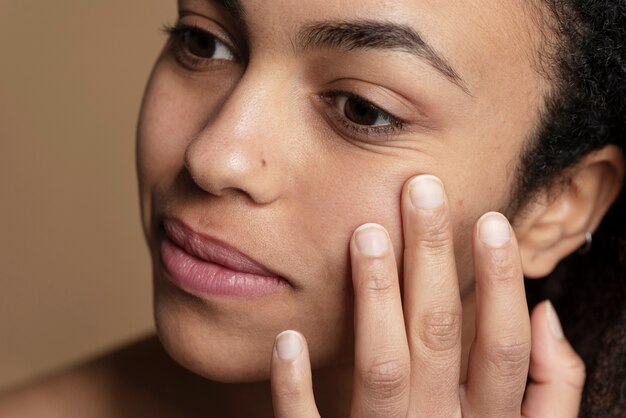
<point>202,264</point>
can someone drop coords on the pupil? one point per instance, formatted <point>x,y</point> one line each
<point>360,112</point>
<point>200,45</point>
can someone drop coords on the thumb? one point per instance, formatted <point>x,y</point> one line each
<point>557,373</point>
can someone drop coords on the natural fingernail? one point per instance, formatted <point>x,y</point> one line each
<point>494,229</point>
<point>371,240</point>
<point>426,192</point>
<point>288,345</point>
<point>553,321</point>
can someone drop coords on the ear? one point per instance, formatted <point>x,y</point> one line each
<point>554,225</point>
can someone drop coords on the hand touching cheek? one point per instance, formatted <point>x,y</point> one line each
<point>408,351</point>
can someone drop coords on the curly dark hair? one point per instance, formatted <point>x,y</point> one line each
<point>585,112</point>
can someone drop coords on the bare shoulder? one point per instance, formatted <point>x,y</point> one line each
<point>79,391</point>
<point>119,384</point>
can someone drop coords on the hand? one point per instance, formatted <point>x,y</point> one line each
<point>408,361</point>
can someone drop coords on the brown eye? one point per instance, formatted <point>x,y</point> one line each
<point>200,44</point>
<point>203,45</point>
<point>361,112</point>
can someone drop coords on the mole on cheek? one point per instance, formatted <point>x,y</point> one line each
<point>263,163</point>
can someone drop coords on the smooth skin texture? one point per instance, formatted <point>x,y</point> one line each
<point>257,152</point>
<point>262,145</point>
<point>283,146</point>
<point>413,370</point>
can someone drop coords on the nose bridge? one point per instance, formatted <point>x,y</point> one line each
<point>239,147</point>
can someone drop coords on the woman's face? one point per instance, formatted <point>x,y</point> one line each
<point>280,127</point>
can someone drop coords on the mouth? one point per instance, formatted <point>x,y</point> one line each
<point>206,266</point>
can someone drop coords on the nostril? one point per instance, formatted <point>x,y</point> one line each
<point>223,168</point>
<point>197,177</point>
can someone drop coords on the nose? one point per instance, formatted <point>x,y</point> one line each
<point>242,147</point>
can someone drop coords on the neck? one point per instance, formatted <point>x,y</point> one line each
<point>332,387</point>
<point>146,367</point>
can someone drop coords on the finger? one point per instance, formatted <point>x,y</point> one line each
<point>292,390</point>
<point>557,372</point>
<point>381,352</point>
<point>432,303</point>
<point>498,365</point>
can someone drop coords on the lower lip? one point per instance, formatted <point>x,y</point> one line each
<point>202,277</point>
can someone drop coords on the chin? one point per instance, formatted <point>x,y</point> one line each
<point>230,340</point>
<point>222,348</point>
<point>211,360</point>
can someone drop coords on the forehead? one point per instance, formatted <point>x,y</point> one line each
<point>482,39</point>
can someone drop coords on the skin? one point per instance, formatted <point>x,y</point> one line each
<point>291,194</point>
<point>429,344</point>
<point>252,149</point>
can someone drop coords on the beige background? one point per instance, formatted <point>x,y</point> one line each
<point>74,273</point>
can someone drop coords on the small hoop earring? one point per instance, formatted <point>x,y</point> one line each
<point>587,247</point>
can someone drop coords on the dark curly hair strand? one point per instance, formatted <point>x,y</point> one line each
<point>585,112</point>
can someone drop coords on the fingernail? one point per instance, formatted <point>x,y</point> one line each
<point>426,192</point>
<point>288,345</point>
<point>553,321</point>
<point>371,240</point>
<point>494,229</point>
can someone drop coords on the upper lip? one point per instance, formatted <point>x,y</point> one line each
<point>212,249</point>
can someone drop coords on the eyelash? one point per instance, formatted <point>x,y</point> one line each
<point>187,59</point>
<point>396,124</point>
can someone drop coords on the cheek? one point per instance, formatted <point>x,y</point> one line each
<point>329,207</point>
<point>174,111</point>
<point>170,117</point>
<point>334,205</point>
<point>158,154</point>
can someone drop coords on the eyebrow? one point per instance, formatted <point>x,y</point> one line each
<point>364,34</point>
<point>371,34</point>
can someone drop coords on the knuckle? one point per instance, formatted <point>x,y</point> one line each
<point>386,380</point>
<point>575,373</point>
<point>502,267</point>
<point>440,332</point>
<point>376,285</point>
<point>290,390</point>
<point>377,281</point>
<point>436,234</point>
<point>509,359</point>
